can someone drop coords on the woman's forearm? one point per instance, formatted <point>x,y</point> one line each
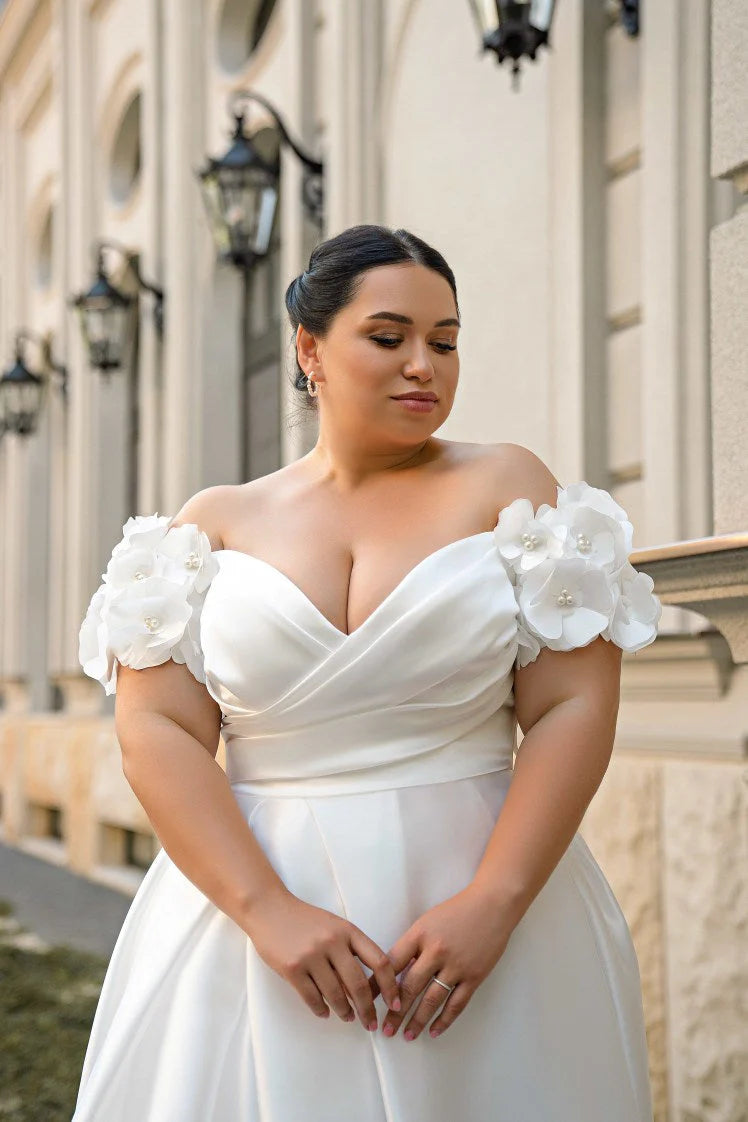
<point>189,802</point>
<point>559,767</point>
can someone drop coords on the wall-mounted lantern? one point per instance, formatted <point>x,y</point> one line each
<point>22,390</point>
<point>240,188</point>
<point>515,29</point>
<point>108,314</point>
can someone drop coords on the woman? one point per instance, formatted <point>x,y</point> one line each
<point>366,628</point>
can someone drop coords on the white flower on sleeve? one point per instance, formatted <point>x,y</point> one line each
<point>636,612</point>
<point>148,607</point>
<point>181,554</point>
<point>566,603</point>
<point>524,540</point>
<point>188,549</point>
<point>144,530</point>
<point>589,534</point>
<point>580,493</point>
<point>92,646</point>
<point>147,621</point>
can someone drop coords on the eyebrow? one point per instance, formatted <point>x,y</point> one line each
<point>406,319</point>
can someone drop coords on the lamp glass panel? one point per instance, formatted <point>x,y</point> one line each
<point>486,15</point>
<point>21,401</point>
<point>541,12</point>
<point>105,329</point>
<point>212,199</point>
<point>267,201</point>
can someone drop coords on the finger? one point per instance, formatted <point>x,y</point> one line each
<point>306,987</point>
<point>412,984</point>
<point>331,987</point>
<point>404,950</point>
<point>358,989</point>
<point>432,1001</point>
<point>384,973</point>
<point>454,1005</point>
<point>394,1018</point>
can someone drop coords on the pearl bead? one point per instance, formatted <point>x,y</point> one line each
<point>192,561</point>
<point>564,598</point>
<point>139,575</point>
<point>152,623</point>
<point>584,545</point>
<point>529,541</point>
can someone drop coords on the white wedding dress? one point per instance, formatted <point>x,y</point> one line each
<point>371,767</point>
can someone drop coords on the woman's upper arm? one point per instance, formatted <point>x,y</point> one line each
<point>592,672</point>
<point>141,636</point>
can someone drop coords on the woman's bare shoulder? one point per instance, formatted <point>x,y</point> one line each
<point>511,471</point>
<point>215,509</point>
<point>210,509</point>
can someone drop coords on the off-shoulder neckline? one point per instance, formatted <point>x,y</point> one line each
<point>383,604</point>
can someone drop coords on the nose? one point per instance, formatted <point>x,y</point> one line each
<point>420,363</point>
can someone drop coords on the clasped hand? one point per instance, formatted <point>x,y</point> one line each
<point>459,941</point>
<point>321,954</point>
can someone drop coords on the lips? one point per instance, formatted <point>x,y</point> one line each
<point>416,397</point>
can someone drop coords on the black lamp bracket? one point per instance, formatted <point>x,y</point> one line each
<point>312,192</point>
<point>240,96</point>
<point>49,364</point>
<point>132,259</point>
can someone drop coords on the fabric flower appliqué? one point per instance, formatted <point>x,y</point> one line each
<point>573,580</point>
<point>148,607</point>
<point>524,540</point>
<point>637,610</point>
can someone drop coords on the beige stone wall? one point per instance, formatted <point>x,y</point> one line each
<point>596,222</point>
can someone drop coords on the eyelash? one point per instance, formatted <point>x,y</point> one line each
<point>387,341</point>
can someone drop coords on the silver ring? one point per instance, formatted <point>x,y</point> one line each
<point>444,984</point>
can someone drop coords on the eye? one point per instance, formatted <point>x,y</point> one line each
<point>393,340</point>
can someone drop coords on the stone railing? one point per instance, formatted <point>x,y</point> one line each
<point>705,575</point>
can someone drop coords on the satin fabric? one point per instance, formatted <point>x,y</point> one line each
<point>371,767</point>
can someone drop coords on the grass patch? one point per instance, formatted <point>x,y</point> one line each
<point>48,998</point>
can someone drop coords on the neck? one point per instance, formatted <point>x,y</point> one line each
<point>348,464</point>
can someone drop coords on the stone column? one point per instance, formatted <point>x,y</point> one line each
<point>729,268</point>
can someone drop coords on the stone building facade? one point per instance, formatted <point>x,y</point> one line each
<point>596,222</point>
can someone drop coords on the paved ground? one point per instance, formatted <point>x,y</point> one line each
<point>60,906</point>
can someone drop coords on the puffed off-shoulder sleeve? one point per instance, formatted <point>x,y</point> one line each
<point>147,608</point>
<point>571,574</point>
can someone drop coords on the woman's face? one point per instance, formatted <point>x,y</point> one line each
<point>368,357</point>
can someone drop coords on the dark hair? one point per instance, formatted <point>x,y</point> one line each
<point>332,278</point>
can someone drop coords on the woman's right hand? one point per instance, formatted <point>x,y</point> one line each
<point>320,954</point>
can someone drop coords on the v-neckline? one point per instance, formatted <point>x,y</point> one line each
<point>345,636</point>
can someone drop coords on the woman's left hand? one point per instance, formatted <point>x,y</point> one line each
<point>459,941</point>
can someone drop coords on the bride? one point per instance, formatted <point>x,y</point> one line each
<point>373,913</point>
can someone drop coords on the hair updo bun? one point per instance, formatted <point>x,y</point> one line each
<point>331,280</point>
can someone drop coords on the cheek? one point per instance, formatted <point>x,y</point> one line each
<point>373,364</point>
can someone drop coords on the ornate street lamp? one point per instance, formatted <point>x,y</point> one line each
<point>516,28</point>
<point>513,28</point>
<point>22,390</point>
<point>240,191</point>
<point>240,188</point>
<point>107,313</point>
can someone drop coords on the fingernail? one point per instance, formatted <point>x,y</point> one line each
<point>396,1004</point>
<point>372,1026</point>
<point>434,1032</point>
<point>409,1035</point>
<point>388,1030</point>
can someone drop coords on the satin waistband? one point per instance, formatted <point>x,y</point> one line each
<point>472,754</point>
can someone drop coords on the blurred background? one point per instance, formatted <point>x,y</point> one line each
<point>166,167</point>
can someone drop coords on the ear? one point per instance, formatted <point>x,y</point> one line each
<point>307,352</point>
